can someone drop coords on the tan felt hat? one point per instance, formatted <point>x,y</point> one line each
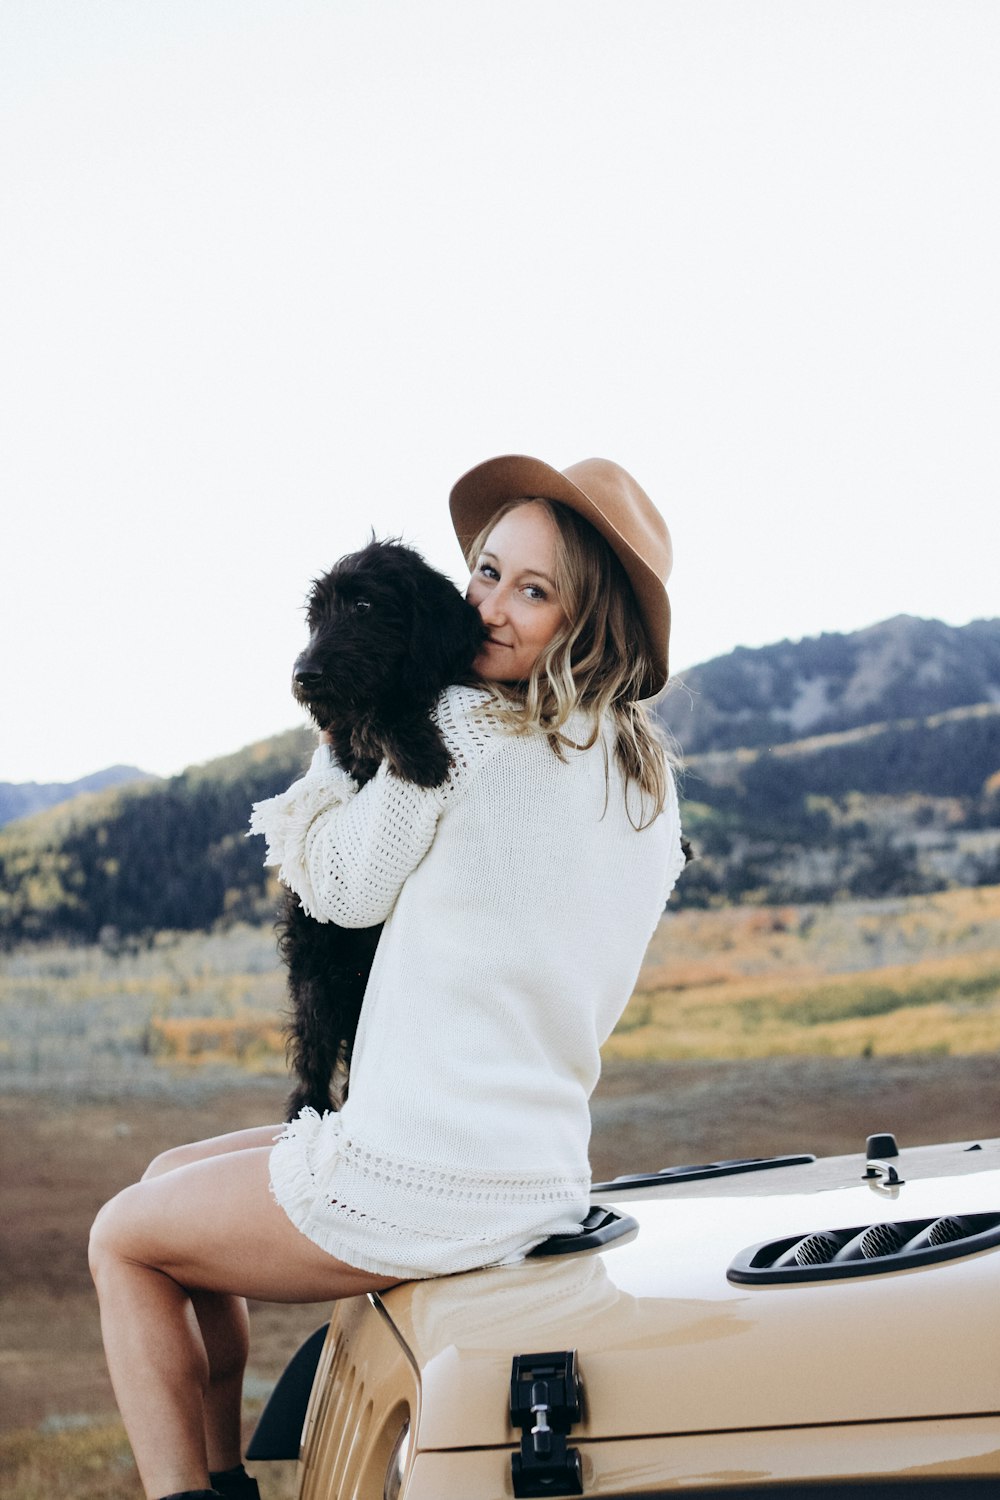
<point>606,496</point>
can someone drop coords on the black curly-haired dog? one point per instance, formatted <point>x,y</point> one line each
<point>388,634</point>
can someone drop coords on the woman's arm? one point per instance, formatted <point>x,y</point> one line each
<point>345,852</point>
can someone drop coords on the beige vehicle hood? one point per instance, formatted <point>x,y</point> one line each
<point>667,1344</point>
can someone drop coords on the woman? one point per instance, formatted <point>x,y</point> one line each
<point>518,899</point>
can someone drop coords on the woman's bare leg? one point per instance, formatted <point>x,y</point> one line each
<point>222,1318</point>
<point>212,1226</point>
<point>225,1331</point>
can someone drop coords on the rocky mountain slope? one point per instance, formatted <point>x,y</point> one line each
<point>899,669</point>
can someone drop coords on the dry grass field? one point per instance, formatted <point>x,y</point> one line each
<point>753,1030</point>
<point>920,975</point>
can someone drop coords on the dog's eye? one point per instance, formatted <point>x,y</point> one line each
<point>360,605</point>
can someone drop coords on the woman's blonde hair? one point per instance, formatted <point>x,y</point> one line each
<point>597,660</point>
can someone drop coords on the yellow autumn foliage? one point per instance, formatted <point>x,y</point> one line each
<point>937,1005</point>
<point>248,1039</point>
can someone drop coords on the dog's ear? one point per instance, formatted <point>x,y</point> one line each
<point>447,636</point>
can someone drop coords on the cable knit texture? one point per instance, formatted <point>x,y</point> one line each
<point>518,900</point>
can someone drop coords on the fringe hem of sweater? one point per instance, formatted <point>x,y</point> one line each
<point>303,1182</point>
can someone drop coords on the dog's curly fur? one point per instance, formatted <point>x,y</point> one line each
<point>388,634</point>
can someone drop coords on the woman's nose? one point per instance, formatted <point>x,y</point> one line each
<point>492,608</point>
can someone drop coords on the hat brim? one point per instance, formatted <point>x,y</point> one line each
<point>480,493</point>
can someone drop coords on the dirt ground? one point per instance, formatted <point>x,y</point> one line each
<point>63,1159</point>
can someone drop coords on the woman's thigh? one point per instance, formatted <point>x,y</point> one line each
<point>213,1225</point>
<point>216,1145</point>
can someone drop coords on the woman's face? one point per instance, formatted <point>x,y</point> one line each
<point>513,588</point>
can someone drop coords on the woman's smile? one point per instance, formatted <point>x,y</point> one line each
<point>513,588</point>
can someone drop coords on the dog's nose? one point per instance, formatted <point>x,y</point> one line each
<point>306,678</point>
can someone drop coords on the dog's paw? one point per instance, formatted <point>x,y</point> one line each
<point>419,755</point>
<point>423,765</point>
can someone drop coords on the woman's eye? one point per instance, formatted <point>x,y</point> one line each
<point>487,570</point>
<point>533,591</point>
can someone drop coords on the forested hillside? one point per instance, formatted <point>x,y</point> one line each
<point>169,854</point>
<point>892,809</point>
<point>901,801</point>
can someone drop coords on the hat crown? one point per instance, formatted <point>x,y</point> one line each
<point>628,508</point>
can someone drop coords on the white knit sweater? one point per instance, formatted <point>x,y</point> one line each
<point>518,900</point>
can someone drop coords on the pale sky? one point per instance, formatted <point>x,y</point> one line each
<point>275,273</point>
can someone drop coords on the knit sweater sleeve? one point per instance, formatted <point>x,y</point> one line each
<point>346,852</point>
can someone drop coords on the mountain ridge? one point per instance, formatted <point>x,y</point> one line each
<point>899,668</point>
<point>898,804</point>
<point>904,667</point>
<point>22,799</point>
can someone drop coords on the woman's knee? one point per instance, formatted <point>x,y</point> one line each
<point>174,1156</point>
<point>220,1145</point>
<point>108,1233</point>
<point>111,1230</point>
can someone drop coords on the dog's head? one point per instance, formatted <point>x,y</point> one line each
<point>387,634</point>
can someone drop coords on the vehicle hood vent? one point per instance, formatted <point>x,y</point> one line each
<point>865,1250</point>
<point>701,1173</point>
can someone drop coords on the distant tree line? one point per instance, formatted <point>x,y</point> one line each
<point>771,793</point>
<point>174,855</point>
<point>754,822</point>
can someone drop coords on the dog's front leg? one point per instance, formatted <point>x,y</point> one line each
<point>415,751</point>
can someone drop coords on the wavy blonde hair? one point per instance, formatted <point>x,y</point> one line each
<point>597,660</point>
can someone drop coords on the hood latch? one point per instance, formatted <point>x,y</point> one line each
<point>544,1403</point>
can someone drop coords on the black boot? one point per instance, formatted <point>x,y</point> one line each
<point>193,1495</point>
<point>235,1484</point>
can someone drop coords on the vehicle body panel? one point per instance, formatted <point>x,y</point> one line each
<point>667,1344</point>
<point>365,1388</point>
<point>638,1466</point>
<point>691,1383</point>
